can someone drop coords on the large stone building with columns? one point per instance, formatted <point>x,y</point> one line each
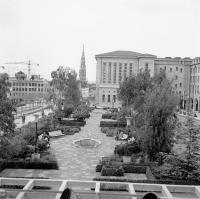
<point>113,67</point>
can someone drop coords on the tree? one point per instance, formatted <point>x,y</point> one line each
<point>65,90</point>
<point>7,107</point>
<point>159,116</point>
<point>132,89</point>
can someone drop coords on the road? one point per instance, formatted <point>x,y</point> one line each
<point>182,119</point>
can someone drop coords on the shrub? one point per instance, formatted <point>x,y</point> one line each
<point>112,124</point>
<point>134,169</point>
<point>119,171</point>
<point>39,164</point>
<point>72,123</point>
<point>99,167</point>
<point>108,171</point>
<point>113,187</point>
<point>106,116</point>
<point>127,149</point>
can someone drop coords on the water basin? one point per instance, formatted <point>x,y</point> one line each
<point>87,143</point>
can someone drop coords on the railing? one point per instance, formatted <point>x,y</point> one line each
<point>22,188</point>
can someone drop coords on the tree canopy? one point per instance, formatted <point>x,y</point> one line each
<point>6,106</point>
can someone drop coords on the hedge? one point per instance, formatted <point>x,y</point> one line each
<point>72,123</point>
<point>112,171</point>
<point>106,116</point>
<point>134,169</point>
<point>112,124</point>
<point>29,164</point>
<point>172,182</point>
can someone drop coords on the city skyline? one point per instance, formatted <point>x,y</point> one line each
<point>52,33</point>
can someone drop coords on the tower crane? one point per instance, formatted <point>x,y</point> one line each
<point>29,63</point>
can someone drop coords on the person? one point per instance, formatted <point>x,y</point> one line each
<point>66,194</point>
<point>150,196</point>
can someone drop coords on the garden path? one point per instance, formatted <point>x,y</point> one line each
<point>74,163</point>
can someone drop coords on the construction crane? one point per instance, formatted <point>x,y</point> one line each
<point>29,64</point>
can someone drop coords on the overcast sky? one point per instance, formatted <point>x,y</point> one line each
<point>52,32</point>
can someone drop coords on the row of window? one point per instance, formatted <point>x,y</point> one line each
<point>176,85</point>
<point>195,79</point>
<point>26,84</point>
<point>171,69</point>
<point>110,98</point>
<point>195,89</point>
<point>21,94</point>
<point>30,89</point>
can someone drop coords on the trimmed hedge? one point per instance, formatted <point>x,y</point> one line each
<point>134,169</point>
<point>72,123</point>
<point>106,171</point>
<point>106,116</point>
<point>172,182</point>
<point>112,124</point>
<point>99,167</point>
<point>29,164</point>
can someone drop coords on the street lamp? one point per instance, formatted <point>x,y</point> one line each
<point>36,136</point>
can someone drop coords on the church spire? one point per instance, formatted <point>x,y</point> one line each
<point>82,70</point>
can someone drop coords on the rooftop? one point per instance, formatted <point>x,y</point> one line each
<point>22,188</point>
<point>125,54</point>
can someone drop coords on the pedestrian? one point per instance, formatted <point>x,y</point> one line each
<point>150,196</point>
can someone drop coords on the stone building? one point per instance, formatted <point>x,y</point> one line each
<point>178,71</point>
<point>28,89</point>
<point>194,91</point>
<point>112,68</point>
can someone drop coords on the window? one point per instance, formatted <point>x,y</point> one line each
<point>19,89</point>
<point>108,98</point>
<point>115,74</point>
<point>29,84</point>
<point>22,84</point>
<point>125,64</point>
<point>13,83</point>
<point>180,84</point>
<point>103,98</point>
<point>22,89</point>
<point>13,89</point>
<point>115,64</point>
<point>38,89</point>
<point>176,68</point>
<point>29,89</point>
<point>176,77</point>
<point>165,67</point>
<point>181,70</point>
<point>110,63</point>
<point>175,85</point>
<point>32,84</point>
<point>179,92</point>
<point>130,64</point>
<point>25,89</point>
<point>109,73</point>
<point>114,98</point>
<point>26,84</point>
<point>170,69</point>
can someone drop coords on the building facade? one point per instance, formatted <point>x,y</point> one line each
<point>27,90</point>
<point>194,91</point>
<point>113,67</point>
<point>177,71</point>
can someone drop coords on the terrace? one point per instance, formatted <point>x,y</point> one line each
<point>22,188</point>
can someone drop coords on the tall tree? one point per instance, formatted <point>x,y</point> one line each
<point>7,107</point>
<point>66,86</point>
<point>159,116</point>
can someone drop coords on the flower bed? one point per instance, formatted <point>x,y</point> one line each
<point>110,171</point>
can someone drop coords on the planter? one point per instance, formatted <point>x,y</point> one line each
<point>35,156</point>
<point>128,121</point>
<point>126,159</point>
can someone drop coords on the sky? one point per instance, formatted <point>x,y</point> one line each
<point>52,32</point>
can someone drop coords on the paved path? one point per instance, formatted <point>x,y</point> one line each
<point>74,163</point>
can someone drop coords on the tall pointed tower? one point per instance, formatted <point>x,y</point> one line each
<point>82,70</point>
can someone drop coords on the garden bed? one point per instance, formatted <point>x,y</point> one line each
<point>112,124</point>
<point>72,123</point>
